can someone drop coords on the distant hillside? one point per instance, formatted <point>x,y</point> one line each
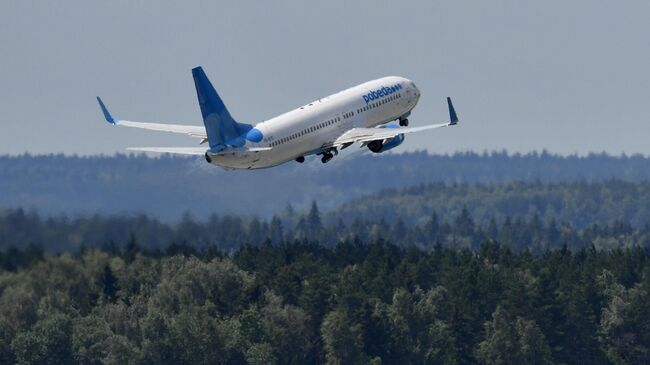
<point>166,187</point>
<point>579,204</point>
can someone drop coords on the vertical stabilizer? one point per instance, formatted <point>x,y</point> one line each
<point>220,126</point>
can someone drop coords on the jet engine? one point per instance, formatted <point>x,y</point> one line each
<point>380,146</point>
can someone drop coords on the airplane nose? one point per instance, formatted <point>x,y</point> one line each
<point>415,90</point>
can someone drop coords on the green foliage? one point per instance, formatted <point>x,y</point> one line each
<point>511,340</point>
<point>260,354</point>
<point>357,303</point>
<point>624,323</point>
<point>48,342</point>
<point>343,339</point>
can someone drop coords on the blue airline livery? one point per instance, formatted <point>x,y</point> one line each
<point>384,91</point>
<point>360,114</point>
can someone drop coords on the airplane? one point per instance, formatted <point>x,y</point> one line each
<point>359,114</point>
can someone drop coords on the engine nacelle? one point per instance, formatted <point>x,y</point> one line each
<point>381,146</point>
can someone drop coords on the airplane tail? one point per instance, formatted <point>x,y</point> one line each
<point>221,127</point>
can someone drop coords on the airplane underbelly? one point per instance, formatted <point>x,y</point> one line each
<point>237,160</point>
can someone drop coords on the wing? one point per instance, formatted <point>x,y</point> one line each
<point>194,131</point>
<point>367,135</point>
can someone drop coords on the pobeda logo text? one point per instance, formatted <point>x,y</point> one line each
<point>384,91</point>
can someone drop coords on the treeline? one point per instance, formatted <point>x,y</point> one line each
<point>166,187</point>
<point>354,303</point>
<point>577,203</point>
<point>20,229</point>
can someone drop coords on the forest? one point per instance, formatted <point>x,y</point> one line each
<point>166,187</point>
<point>308,289</point>
<point>463,259</point>
<point>531,216</point>
<point>297,302</point>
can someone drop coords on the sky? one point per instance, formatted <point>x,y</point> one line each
<point>570,77</point>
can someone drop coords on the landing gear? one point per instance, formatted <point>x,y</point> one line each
<point>404,122</point>
<point>300,159</point>
<point>326,157</point>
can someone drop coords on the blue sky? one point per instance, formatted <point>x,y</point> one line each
<point>569,77</point>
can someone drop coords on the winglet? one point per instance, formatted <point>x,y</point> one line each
<point>107,115</point>
<point>453,118</point>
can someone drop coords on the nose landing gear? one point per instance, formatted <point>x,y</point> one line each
<point>300,159</point>
<point>403,122</point>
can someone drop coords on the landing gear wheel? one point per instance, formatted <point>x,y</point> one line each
<point>404,122</point>
<point>300,159</point>
<point>326,157</point>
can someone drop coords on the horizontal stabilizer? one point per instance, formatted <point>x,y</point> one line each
<point>194,131</point>
<point>195,151</point>
<point>242,150</point>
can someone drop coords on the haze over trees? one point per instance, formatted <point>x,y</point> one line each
<point>523,216</point>
<point>166,187</point>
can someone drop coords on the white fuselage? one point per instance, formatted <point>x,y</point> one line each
<point>304,131</point>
